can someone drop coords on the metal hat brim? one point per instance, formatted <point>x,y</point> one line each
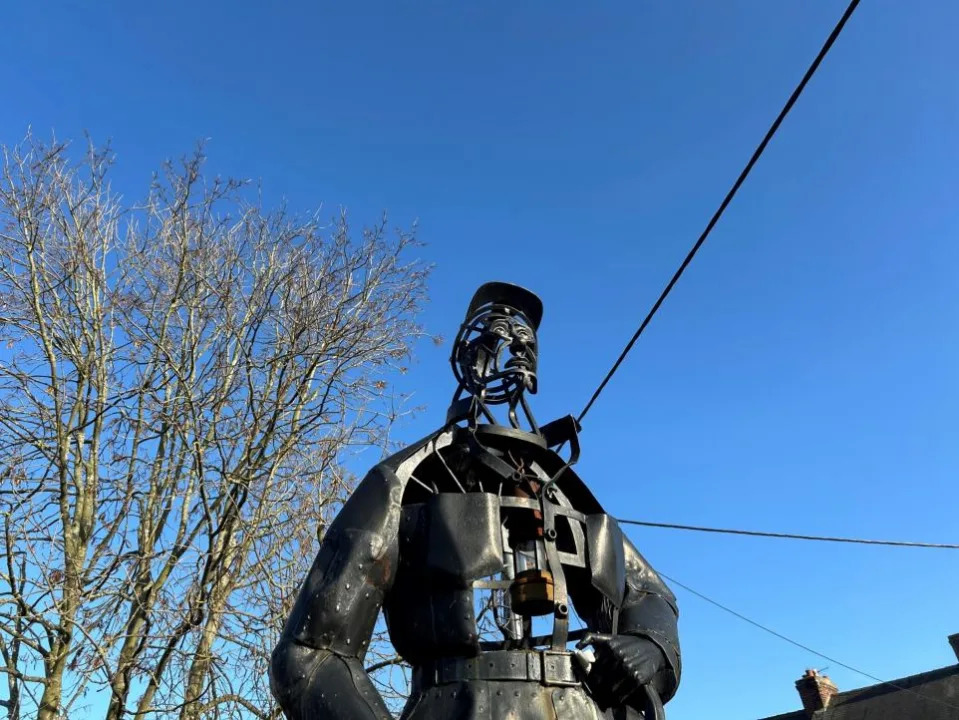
<point>514,296</point>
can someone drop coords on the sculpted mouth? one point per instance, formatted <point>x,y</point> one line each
<point>519,363</point>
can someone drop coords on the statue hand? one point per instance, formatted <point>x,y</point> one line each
<point>624,665</point>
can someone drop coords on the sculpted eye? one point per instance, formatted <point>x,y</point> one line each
<point>500,327</point>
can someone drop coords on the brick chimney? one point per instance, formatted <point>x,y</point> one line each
<point>815,691</point>
<point>954,641</point>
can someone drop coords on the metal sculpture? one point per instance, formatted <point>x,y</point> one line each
<point>481,509</point>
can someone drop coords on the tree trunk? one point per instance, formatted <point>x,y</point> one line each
<point>200,668</point>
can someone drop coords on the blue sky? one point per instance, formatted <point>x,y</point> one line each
<point>802,377</point>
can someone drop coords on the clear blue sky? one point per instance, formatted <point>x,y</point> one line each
<point>803,375</point>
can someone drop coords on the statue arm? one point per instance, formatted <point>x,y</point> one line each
<point>649,611</point>
<point>316,670</point>
<point>645,648</point>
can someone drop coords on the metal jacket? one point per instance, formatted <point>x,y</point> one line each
<point>420,557</point>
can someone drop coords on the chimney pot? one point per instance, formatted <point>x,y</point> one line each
<point>815,691</point>
<point>954,642</point>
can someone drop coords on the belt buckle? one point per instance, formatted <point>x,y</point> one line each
<point>555,664</point>
<point>534,667</point>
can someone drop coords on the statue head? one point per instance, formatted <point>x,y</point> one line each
<point>494,355</point>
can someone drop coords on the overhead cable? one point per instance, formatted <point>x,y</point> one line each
<point>791,536</point>
<point>726,200</point>
<point>808,649</point>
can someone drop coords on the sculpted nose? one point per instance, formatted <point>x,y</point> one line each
<point>519,345</point>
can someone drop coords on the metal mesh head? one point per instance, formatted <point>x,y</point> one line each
<point>494,356</point>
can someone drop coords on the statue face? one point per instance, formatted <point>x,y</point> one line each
<point>495,355</point>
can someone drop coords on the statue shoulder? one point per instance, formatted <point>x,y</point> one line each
<point>578,493</point>
<point>402,463</point>
<point>376,502</point>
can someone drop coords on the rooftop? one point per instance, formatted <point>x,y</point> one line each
<point>931,695</point>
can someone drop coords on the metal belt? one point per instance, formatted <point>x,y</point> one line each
<point>546,667</point>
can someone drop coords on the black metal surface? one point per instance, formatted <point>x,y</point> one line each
<point>607,557</point>
<point>547,667</point>
<point>476,507</point>
<point>464,541</point>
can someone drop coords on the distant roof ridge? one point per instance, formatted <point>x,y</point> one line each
<point>848,697</point>
<point>895,684</point>
<point>794,715</point>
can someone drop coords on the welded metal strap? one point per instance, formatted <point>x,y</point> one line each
<point>492,584</point>
<point>519,502</point>
<point>560,599</point>
<point>534,504</point>
<point>539,666</point>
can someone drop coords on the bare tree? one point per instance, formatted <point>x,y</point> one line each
<point>183,385</point>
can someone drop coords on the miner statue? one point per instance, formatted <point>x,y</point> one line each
<point>478,543</point>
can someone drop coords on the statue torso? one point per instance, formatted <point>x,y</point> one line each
<point>449,605</point>
<point>458,556</point>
